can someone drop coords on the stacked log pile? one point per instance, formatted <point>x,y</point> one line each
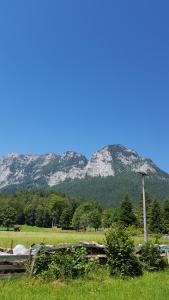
<point>13,265</point>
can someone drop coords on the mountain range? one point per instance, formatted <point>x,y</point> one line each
<point>106,176</point>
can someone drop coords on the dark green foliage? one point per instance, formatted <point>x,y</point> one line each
<point>70,263</point>
<point>81,218</point>
<point>110,190</point>
<point>43,216</point>
<point>155,224</point>
<point>120,254</point>
<point>38,208</point>
<point>57,206</point>
<point>165,216</point>
<point>106,191</point>
<point>1,216</point>
<point>30,214</point>
<point>95,219</point>
<point>126,215</point>
<point>41,263</point>
<point>47,209</point>
<point>8,216</point>
<point>107,218</point>
<point>66,216</point>
<point>110,216</point>
<point>151,259</point>
<point>44,209</point>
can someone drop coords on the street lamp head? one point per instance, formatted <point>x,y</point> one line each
<point>143,173</point>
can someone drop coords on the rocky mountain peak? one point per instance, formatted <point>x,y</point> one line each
<point>13,155</point>
<point>51,169</point>
<point>117,148</point>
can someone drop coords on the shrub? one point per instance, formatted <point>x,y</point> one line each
<point>132,230</point>
<point>70,263</point>
<point>151,259</point>
<point>121,258</point>
<point>42,263</point>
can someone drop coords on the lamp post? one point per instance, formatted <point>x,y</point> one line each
<point>143,174</point>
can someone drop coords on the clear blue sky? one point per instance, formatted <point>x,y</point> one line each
<point>78,75</point>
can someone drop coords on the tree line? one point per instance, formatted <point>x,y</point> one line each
<point>44,209</point>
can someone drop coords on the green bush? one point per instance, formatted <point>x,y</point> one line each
<point>121,258</point>
<point>42,263</point>
<point>70,263</point>
<point>151,259</point>
<point>133,230</point>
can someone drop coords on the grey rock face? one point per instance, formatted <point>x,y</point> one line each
<point>52,168</point>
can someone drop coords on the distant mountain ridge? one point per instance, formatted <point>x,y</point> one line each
<point>54,170</point>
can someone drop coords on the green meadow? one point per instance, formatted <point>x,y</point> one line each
<point>151,286</point>
<point>29,235</point>
<point>97,285</point>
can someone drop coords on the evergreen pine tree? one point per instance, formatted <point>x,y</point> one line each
<point>165,216</point>
<point>155,218</point>
<point>126,214</point>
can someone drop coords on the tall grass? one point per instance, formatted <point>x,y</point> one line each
<point>152,286</point>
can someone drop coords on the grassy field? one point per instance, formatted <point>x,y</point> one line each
<point>97,286</point>
<point>152,286</point>
<point>29,235</point>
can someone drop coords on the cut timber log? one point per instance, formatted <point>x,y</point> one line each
<point>12,268</point>
<point>14,258</point>
<point>13,265</point>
